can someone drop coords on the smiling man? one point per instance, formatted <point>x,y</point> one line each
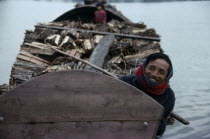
<point>152,77</point>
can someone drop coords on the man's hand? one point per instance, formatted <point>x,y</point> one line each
<point>170,120</point>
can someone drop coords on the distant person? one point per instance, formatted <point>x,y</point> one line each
<point>152,77</point>
<point>100,14</point>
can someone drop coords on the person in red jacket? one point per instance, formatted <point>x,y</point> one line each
<point>100,14</point>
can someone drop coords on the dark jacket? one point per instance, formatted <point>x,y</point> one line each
<point>166,99</point>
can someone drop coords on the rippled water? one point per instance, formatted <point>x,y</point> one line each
<point>185,31</point>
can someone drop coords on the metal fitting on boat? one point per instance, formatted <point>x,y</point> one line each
<point>145,124</point>
<point>1,119</point>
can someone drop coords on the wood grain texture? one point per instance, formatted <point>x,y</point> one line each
<point>78,130</point>
<point>77,96</point>
<point>100,52</point>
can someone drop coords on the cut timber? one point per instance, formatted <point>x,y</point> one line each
<point>37,48</point>
<point>87,45</point>
<point>97,38</point>
<point>98,55</point>
<point>78,105</point>
<point>116,59</point>
<point>137,30</point>
<point>142,55</point>
<point>29,59</point>
<point>102,33</point>
<point>34,57</point>
<point>38,51</point>
<point>23,55</point>
<point>74,52</point>
<point>84,61</point>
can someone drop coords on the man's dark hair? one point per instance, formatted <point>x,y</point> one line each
<point>155,56</point>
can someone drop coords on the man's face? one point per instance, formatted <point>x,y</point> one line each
<point>157,70</point>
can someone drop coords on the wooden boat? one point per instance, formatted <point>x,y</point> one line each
<point>76,104</point>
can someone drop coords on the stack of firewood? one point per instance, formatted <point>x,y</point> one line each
<point>38,54</point>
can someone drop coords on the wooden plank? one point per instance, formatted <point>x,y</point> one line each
<point>38,48</point>
<point>101,33</point>
<point>78,130</point>
<point>38,51</point>
<point>38,45</point>
<point>30,59</point>
<point>98,55</point>
<point>33,57</point>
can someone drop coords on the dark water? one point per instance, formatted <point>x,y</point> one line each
<point>185,31</point>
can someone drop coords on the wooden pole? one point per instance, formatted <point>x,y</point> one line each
<point>86,62</point>
<point>101,33</point>
<point>179,118</point>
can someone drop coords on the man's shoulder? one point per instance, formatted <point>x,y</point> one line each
<point>127,77</point>
<point>170,92</point>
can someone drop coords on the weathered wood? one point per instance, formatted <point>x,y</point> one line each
<point>87,45</point>
<point>97,38</point>
<point>116,59</point>
<point>79,130</point>
<point>37,48</point>
<point>78,104</point>
<point>32,67</point>
<point>33,57</point>
<point>141,55</point>
<point>38,51</point>
<point>4,88</point>
<point>179,118</point>
<point>30,59</point>
<point>101,50</point>
<point>84,61</point>
<point>101,33</point>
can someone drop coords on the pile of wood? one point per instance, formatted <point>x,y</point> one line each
<point>63,45</point>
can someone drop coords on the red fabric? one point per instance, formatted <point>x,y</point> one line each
<point>147,85</point>
<point>100,16</point>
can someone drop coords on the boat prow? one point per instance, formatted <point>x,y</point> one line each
<point>80,105</point>
<point>85,13</point>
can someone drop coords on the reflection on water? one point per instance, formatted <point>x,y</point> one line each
<point>185,31</point>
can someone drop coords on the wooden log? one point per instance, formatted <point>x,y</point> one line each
<point>98,55</point>
<point>179,118</point>
<point>135,62</point>
<point>116,59</point>
<point>101,33</point>
<point>97,38</point>
<point>141,55</point>
<point>87,45</point>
